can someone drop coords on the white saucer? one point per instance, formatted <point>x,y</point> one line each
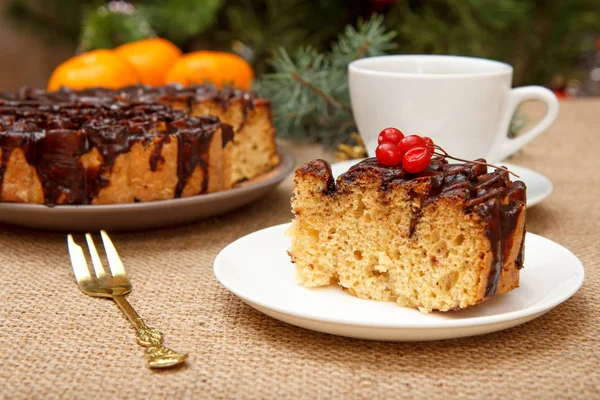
<point>538,186</point>
<point>257,269</point>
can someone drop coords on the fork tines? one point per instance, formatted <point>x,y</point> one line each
<point>80,264</point>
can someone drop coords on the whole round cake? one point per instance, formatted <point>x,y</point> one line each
<point>139,143</point>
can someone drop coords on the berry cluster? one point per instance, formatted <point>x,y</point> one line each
<point>413,152</point>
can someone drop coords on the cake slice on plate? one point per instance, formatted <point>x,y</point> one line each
<point>446,238</point>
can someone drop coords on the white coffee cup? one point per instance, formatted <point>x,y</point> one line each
<point>464,104</point>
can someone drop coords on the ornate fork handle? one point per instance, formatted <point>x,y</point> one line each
<point>158,355</point>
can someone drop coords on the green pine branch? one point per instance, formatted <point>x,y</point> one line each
<point>368,39</point>
<point>309,89</point>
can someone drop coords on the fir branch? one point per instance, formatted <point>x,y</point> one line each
<point>368,39</point>
<point>309,90</point>
<point>330,100</point>
<point>363,48</point>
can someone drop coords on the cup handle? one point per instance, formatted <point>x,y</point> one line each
<point>505,146</point>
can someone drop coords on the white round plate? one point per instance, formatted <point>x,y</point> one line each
<point>257,269</point>
<point>146,215</point>
<point>538,186</point>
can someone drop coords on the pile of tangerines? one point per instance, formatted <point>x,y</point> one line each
<point>152,62</point>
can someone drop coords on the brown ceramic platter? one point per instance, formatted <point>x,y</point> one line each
<point>148,215</point>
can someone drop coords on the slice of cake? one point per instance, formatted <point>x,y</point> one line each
<point>446,238</point>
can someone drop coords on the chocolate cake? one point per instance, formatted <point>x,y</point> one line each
<point>139,143</point>
<point>446,238</point>
<point>253,147</point>
<point>93,153</point>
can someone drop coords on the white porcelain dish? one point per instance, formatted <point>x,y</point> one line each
<point>257,269</point>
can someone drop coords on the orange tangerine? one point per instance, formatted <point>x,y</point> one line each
<point>151,58</point>
<point>217,67</point>
<point>97,68</point>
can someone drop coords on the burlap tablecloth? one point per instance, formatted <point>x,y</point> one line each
<point>57,343</point>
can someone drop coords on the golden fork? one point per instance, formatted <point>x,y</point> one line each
<point>115,286</point>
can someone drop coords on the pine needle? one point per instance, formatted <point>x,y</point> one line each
<point>310,89</point>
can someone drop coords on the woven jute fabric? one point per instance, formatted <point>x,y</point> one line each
<point>56,342</point>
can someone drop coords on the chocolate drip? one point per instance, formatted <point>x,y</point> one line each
<point>519,193</point>
<point>156,156</point>
<point>110,141</point>
<point>521,256</point>
<point>490,211</point>
<point>55,155</point>
<point>492,196</point>
<point>226,133</point>
<point>192,153</point>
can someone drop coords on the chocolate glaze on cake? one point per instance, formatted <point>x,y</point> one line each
<point>492,196</point>
<point>53,137</point>
<point>173,93</point>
